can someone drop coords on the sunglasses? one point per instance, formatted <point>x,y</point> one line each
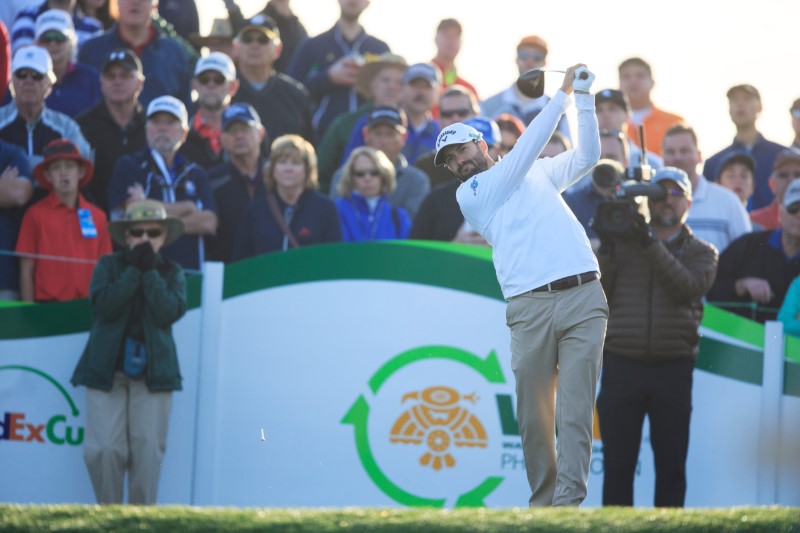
<point>793,209</point>
<point>787,174</point>
<point>453,112</point>
<point>152,233</point>
<point>53,37</point>
<point>260,39</point>
<point>25,74</point>
<point>218,79</point>
<point>536,56</point>
<point>362,173</point>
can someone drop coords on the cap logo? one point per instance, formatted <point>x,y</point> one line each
<point>443,137</point>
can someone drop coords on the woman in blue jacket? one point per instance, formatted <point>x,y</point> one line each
<point>365,213</point>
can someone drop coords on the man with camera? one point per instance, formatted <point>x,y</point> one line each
<point>655,276</point>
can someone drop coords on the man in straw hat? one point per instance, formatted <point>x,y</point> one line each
<point>62,235</point>
<point>130,364</point>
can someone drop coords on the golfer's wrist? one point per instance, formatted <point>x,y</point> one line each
<point>582,92</point>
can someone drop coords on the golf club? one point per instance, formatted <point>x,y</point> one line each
<point>531,82</point>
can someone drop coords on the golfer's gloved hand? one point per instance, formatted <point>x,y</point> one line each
<point>583,85</point>
<point>641,232</point>
<point>143,257</point>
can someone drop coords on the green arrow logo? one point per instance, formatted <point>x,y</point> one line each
<point>358,416</point>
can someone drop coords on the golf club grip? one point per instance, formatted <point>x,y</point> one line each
<point>583,76</point>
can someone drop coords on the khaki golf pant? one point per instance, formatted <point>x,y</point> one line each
<point>126,429</point>
<point>557,340</point>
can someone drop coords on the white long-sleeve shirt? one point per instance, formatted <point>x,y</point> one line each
<point>516,204</point>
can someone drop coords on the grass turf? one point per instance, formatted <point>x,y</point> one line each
<point>64,518</point>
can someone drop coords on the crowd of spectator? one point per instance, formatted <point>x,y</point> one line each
<point>259,138</point>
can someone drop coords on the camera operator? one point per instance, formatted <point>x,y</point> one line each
<point>655,278</point>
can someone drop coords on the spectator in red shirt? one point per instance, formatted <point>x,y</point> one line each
<point>448,44</point>
<point>63,234</point>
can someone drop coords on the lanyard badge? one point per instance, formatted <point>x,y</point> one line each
<point>88,229</point>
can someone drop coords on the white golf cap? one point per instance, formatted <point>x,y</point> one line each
<point>34,58</point>
<point>457,133</point>
<point>171,105</point>
<point>218,62</point>
<point>55,20</point>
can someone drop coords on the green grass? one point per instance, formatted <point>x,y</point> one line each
<point>63,518</point>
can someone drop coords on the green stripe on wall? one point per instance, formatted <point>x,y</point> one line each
<point>791,379</point>
<point>730,361</point>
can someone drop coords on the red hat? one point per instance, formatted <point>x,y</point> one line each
<point>62,149</point>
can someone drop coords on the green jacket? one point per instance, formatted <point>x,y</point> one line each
<point>333,144</point>
<point>115,284</point>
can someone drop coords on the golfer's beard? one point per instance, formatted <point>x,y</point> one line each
<point>473,166</point>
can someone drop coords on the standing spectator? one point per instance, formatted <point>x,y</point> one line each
<point>182,14</point>
<point>115,126</point>
<point>456,104</point>
<point>745,106</point>
<point>219,38</point>
<point>757,268</point>
<point>292,213</point>
<point>510,130</point>
<point>380,82</point>
<point>239,179</point>
<point>386,130</point>
<point>421,87</point>
<point>531,53</point>
<point>103,11</point>
<point>655,281</point>
<point>328,65</point>
<point>215,83</point>
<point>77,87</point>
<point>736,174</point>
<point>23,31</point>
<point>366,214</point>
<point>291,30</point>
<point>716,214</point>
<point>27,122</point>
<point>165,63</point>
<point>159,172</point>
<point>448,45</point>
<point>130,365</point>
<point>785,169</point>
<point>613,112</point>
<point>63,225</point>
<point>5,56</point>
<point>636,81</point>
<point>281,102</point>
<point>795,112</point>
<point>16,188</point>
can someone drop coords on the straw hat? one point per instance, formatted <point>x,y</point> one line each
<point>145,211</point>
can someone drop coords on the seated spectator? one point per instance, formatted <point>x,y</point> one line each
<point>130,366</point>
<point>456,104</point>
<point>292,213</point>
<point>215,83</point>
<point>510,129</point>
<point>160,173</point>
<point>785,169</point>
<point>165,63</point>
<point>789,313</point>
<point>613,111</point>
<point>744,105</point>
<point>716,214</point>
<point>27,122</point>
<point>239,179</point>
<point>64,226</point>
<point>16,188</point>
<point>386,131</point>
<point>448,45</point>
<point>282,102</point>
<point>531,53</point>
<point>380,82</point>
<point>23,31</point>
<point>736,174</point>
<point>328,65</point>
<point>115,126</point>
<point>77,87</point>
<point>757,268</point>
<point>368,178</point>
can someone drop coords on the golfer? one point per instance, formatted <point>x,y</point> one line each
<point>556,311</point>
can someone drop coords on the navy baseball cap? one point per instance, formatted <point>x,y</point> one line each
<point>742,159</point>
<point>614,96</point>
<point>388,115</point>
<point>240,112</point>
<point>423,71</point>
<point>676,175</point>
<point>124,57</point>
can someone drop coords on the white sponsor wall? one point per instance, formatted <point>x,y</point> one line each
<point>361,389</point>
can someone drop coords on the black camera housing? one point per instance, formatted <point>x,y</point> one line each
<point>615,217</point>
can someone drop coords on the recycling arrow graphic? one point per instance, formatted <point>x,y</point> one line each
<point>358,416</point>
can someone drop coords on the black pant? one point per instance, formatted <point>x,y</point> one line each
<point>629,390</point>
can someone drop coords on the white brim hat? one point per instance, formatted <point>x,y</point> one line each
<point>457,133</point>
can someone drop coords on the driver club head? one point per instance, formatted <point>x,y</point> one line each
<point>531,83</point>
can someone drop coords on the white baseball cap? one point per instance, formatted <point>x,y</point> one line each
<point>55,20</point>
<point>218,62</point>
<point>457,133</point>
<point>34,58</point>
<point>171,105</point>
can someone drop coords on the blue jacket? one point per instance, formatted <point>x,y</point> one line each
<point>360,224</point>
<point>11,217</point>
<point>76,92</point>
<point>165,64</point>
<point>313,220</point>
<point>310,67</point>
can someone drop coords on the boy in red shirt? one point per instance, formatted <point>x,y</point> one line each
<point>63,233</point>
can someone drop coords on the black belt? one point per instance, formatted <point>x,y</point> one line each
<point>567,283</point>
